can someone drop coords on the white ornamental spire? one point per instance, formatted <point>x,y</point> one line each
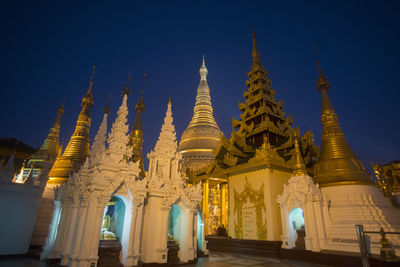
<point>118,137</point>
<point>203,71</point>
<point>98,145</point>
<point>166,142</point>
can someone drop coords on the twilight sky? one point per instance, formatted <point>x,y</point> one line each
<point>52,45</point>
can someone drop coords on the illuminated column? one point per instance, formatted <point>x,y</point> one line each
<point>205,207</point>
<point>223,219</point>
<point>70,232</point>
<point>61,235</point>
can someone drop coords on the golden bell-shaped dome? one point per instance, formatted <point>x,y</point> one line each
<point>202,135</point>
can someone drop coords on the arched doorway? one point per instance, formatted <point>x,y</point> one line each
<point>178,233</point>
<point>112,232</point>
<point>297,229</point>
<point>174,233</point>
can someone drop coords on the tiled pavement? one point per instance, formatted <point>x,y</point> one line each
<point>216,259</point>
<point>224,259</point>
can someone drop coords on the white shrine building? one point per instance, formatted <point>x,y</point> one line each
<point>148,211</point>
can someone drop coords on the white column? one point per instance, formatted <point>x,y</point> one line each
<point>195,226</point>
<point>285,227</point>
<point>135,235</point>
<point>62,231</point>
<point>70,230</point>
<point>320,224</point>
<point>184,234</point>
<point>52,235</point>
<point>101,204</point>
<point>310,221</point>
<point>155,231</point>
<point>190,235</point>
<point>161,248</point>
<point>87,241</point>
<point>80,224</point>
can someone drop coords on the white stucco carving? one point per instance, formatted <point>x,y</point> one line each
<point>301,192</point>
<point>80,202</point>
<point>166,188</point>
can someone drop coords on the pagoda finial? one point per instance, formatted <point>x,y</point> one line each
<point>140,104</point>
<point>135,143</point>
<point>88,98</point>
<point>143,84</point>
<point>106,109</point>
<point>61,108</point>
<point>203,71</point>
<point>93,72</point>
<point>255,54</point>
<point>322,83</point>
<point>298,162</point>
<point>92,79</point>
<point>126,90</point>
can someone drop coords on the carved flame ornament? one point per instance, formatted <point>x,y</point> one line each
<point>256,197</point>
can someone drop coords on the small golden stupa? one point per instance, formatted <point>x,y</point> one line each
<point>78,147</point>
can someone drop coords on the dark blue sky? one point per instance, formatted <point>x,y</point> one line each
<point>49,46</point>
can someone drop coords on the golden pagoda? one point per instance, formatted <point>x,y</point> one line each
<point>51,145</point>
<point>78,147</point>
<point>337,163</point>
<point>47,152</point>
<point>202,135</point>
<point>263,127</point>
<point>261,152</point>
<point>136,135</point>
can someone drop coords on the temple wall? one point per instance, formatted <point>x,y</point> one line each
<point>19,211</point>
<point>256,221</point>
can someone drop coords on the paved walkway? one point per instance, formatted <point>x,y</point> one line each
<point>216,259</point>
<point>225,259</point>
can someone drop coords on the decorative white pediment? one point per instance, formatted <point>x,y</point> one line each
<point>299,189</point>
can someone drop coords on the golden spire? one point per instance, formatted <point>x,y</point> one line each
<point>255,54</point>
<point>298,163</point>
<point>136,135</point>
<point>203,111</point>
<point>337,164</point>
<point>202,135</point>
<point>126,90</point>
<point>51,144</point>
<point>78,147</point>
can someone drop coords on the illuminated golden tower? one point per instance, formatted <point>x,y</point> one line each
<point>47,152</point>
<point>202,135</point>
<point>337,164</point>
<point>78,146</point>
<point>136,135</point>
<point>51,145</point>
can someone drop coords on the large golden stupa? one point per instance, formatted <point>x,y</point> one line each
<point>202,135</point>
